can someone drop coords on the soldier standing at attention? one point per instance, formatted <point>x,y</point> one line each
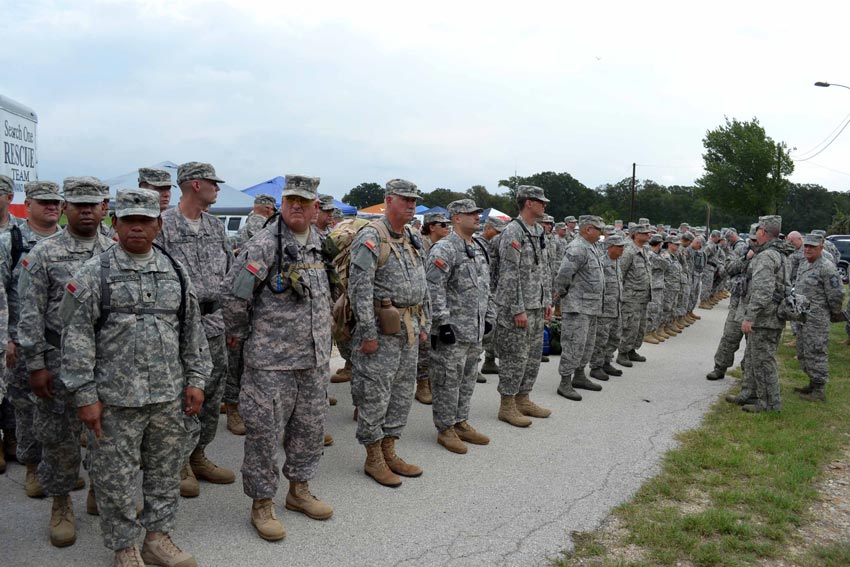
<point>580,287</point>
<point>277,295</point>
<point>264,208</point>
<point>489,239</point>
<point>325,215</point>
<point>46,270</point>
<point>199,242</point>
<point>524,303</point>
<point>570,222</point>
<point>158,180</point>
<point>437,227</point>
<point>390,305</point>
<point>819,282</point>
<point>637,293</point>
<point>459,286</point>
<point>608,323</point>
<point>132,346</point>
<point>655,308</point>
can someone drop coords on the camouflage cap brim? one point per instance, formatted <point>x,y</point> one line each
<point>299,192</point>
<point>136,212</point>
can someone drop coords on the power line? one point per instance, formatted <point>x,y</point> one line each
<point>820,151</point>
<point>843,120</point>
<point>825,167</point>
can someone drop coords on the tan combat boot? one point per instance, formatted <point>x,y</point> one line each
<point>648,338</point>
<point>189,487</point>
<point>129,557</point>
<point>207,470</point>
<point>91,503</point>
<point>657,334</point>
<point>526,407</point>
<point>396,463</point>
<point>666,333</point>
<point>158,549</point>
<point>343,374</point>
<point>32,486</point>
<point>265,521</point>
<point>377,468</point>
<point>694,316</point>
<point>234,420</point>
<point>423,392</point>
<point>509,414</point>
<point>329,440</point>
<point>469,434</point>
<point>448,438</point>
<point>300,499</point>
<point>62,530</point>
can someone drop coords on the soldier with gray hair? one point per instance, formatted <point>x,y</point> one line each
<point>134,359</point>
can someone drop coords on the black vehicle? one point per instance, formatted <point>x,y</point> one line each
<point>842,242</point>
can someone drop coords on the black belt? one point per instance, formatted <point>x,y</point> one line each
<point>53,338</point>
<point>209,307</point>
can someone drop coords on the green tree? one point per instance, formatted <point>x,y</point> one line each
<point>365,195</point>
<point>567,195</point>
<point>745,170</point>
<point>486,200</point>
<point>441,197</point>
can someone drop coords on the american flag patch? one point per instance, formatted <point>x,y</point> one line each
<point>515,244</point>
<point>440,264</point>
<point>369,244</point>
<point>253,267</point>
<point>25,262</point>
<point>74,288</point>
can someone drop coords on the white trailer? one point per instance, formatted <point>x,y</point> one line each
<point>18,130</point>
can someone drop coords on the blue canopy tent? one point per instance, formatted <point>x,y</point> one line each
<point>274,187</point>
<point>433,210</point>
<point>421,209</point>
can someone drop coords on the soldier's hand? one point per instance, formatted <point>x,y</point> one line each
<point>11,355</point>
<point>547,313</point>
<point>371,347</point>
<point>232,342</point>
<point>194,400</point>
<point>41,383</point>
<point>750,254</point>
<point>747,327</point>
<point>90,416</point>
<point>423,336</point>
<point>521,320</point>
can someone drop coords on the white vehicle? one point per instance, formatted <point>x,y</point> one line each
<point>18,129</point>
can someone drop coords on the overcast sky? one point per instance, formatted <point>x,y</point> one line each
<point>446,94</point>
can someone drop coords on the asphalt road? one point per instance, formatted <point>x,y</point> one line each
<point>513,502</point>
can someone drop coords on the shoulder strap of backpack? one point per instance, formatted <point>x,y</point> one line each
<point>17,238</point>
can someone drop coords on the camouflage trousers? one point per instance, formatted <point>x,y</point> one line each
<point>454,369</point>
<point>22,399</point>
<point>634,325</point>
<point>696,288</point>
<point>683,300</point>
<point>151,438</point>
<point>730,341</point>
<point>607,340</point>
<point>578,337</point>
<point>489,344</point>
<point>424,361</point>
<point>382,386</point>
<point>760,365</point>
<point>520,350</point>
<point>7,414</point>
<point>668,309</point>
<point>234,373</point>
<point>213,391</point>
<point>58,429</point>
<point>344,348</point>
<point>282,403</point>
<point>655,310</point>
<point>707,289</point>
<point>812,342</point>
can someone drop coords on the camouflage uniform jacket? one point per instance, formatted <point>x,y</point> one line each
<point>636,273</point>
<point>581,279</point>
<point>207,257</point>
<point>712,253</point>
<point>766,275</point>
<point>282,331</point>
<point>10,274</point>
<point>672,276</point>
<point>13,221</point>
<point>525,280</point>
<point>494,263</point>
<point>659,269</point>
<point>136,358</point>
<point>833,250</point>
<point>48,267</point>
<point>795,260</point>
<point>555,254</point>
<point>613,290</point>
<point>820,283</point>
<point>459,288</point>
<point>253,224</point>
<point>401,279</point>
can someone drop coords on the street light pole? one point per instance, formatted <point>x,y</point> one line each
<point>825,84</point>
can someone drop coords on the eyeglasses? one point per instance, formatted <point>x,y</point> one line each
<point>442,224</point>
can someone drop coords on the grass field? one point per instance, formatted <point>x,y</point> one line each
<point>738,487</point>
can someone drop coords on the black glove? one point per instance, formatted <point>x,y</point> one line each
<point>488,327</point>
<point>447,336</point>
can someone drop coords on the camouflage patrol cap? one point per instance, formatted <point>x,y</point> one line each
<point>84,190</point>
<point>643,229</point>
<point>531,192</point>
<point>496,223</point>
<point>338,214</point>
<point>264,199</point>
<point>43,191</point>
<point>819,232</point>
<point>462,206</point>
<point>142,202</point>
<point>715,233</point>
<point>301,186</point>
<point>656,239</point>
<point>813,239</point>
<point>560,226</point>
<point>569,219</point>
<point>687,235</point>
<point>609,228</point>
<point>155,177</point>
<point>7,186</point>
<point>773,222</point>
<point>672,239</point>
<point>618,221</point>
<point>402,188</point>
<point>434,217</point>
<point>592,220</point>
<point>326,203</point>
<point>643,220</point>
<point>547,219</point>
<point>196,170</point>
<point>616,239</point>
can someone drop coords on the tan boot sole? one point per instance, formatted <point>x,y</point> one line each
<point>391,485</point>
<point>297,508</point>
<point>267,537</point>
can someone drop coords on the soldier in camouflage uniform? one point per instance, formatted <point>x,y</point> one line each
<point>458,274</point>
<point>325,215</point>
<point>686,258</point>
<point>570,225</point>
<point>132,345</point>
<point>580,287</point>
<point>699,263</point>
<point>489,239</point>
<point>712,257</point>
<point>390,305</point>
<point>655,309</point>
<point>277,294</point>
<point>524,303</point>
<point>636,272</point>
<point>437,227</point>
<point>766,275</point>
<point>834,254</point>
<point>45,207</point>
<point>819,282</point>
<point>199,242</point>
<point>264,208</point>
<point>608,329</point>
<point>46,270</point>
<point>158,180</point>
<point>672,285</point>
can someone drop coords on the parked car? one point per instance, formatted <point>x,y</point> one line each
<point>842,242</point>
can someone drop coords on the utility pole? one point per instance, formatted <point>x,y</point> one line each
<point>632,210</point>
